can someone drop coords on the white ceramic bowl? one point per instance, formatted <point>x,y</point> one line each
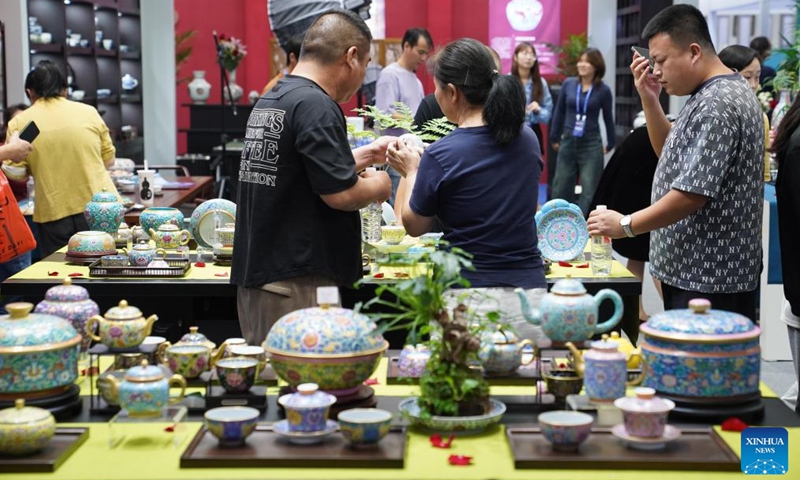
<point>150,344</point>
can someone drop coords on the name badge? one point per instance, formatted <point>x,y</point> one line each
<point>580,124</point>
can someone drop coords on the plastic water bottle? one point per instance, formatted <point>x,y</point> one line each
<point>31,189</point>
<point>601,253</point>
<point>371,220</point>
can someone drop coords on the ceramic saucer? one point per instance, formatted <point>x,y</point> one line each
<point>643,443</point>
<point>561,230</point>
<point>282,429</point>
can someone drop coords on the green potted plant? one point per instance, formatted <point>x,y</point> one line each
<point>450,386</point>
<point>403,119</point>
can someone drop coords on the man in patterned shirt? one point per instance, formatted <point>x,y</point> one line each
<point>707,195</point>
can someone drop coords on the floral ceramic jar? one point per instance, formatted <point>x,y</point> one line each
<point>569,314</point>
<point>604,370</point>
<point>169,236</point>
<point>701,352</point>
<point>37,351</point>
<point>25,430</point>
<point>333,347</point>
<point>153,217</point>
<point>644,415</point>
<point>307,408</point>
<point>144,391</point>
<point>104,212</point>
<point>501,352</point>
<point>72,303</point>
<point>122,328</point>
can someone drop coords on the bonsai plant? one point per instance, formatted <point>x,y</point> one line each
<point>449,386</point>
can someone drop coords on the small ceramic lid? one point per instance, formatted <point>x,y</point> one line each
<point>144,373</point>
<point>19,414</point>
<point>143,246</point>
<point>123,226</point>
<point>605,345</point>
<point>22,331</point>
<point>123,312</point>
<point>645,401</point>
<point>167,227</point>
<point>700,323</point>
<point>195,337</point>
<point>105,196</point>
<point>568,286</point>
<point>67,292</point>
<point>307,396</point>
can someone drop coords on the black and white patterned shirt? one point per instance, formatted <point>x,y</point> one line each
<point>715,148</point>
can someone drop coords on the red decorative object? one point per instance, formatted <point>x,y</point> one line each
<point>378,275</point>
<point>223,274</point>
<point>459,460</point>
<point>562,263</point>
<point>438,442</point>
<point>75,274</point>
<point>734,424</point>
<point>52,274</point>
<point>583,265</point>
<point>170,429</point>
<point>199,264</point>
<point>371,381</point>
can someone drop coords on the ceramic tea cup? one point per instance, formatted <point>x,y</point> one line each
<point>644,415</point>
<point>565,429</point>
<point>187,360</point>
<point>108,44</point>
<point>150,344</point>
<point>562,382</point>
<point>307,409</point>
<point>225,236</point>
<point>231,425</point>
<point>236,374</point>
<point>250,351</point>
<point>364,427</point>
<point>114,261</point>
<point>393,234</point>
<point>124,361</point>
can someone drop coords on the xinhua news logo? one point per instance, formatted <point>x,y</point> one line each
<point>765,451</point>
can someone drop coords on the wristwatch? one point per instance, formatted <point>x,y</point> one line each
<point>625,223</point>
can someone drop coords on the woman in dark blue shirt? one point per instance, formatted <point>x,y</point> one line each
<point>575,130</point>
<point>481,179</point>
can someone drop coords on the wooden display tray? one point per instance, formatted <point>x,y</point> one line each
<point>175,268</point>
<point>696,449</point>
<point>60,448</point>
<point>524,376</point>
<point>265,449</point>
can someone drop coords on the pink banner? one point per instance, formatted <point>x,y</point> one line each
<point>534,21</point>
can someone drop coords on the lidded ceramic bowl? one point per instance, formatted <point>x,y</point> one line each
<point>25,430</point>
<point>91,243</point>
<point>37,351</point>
<point>71,302</point>
<point>701,352</point>
<point>307,408</point>
<point>194,337</point>
<point>333,347</point>
<point>644,415</point>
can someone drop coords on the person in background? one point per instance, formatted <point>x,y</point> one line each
<point>745,61</point>
<point>787,152</point>
<point>708,190</point>
<point>398,82</point>
<point>575,130</point>
<point>19,187</point>
<point>297,223</point>
<point>538,101</point>
<point>763,48</point>
<point>292,49</point>
<point>477,179</point>
<point>69,162</point>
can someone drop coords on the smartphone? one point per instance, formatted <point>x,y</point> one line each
<point>30,132</point>
<point>646,54</point>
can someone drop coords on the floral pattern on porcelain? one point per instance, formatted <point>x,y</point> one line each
<point>364,426</point>
<point>501,352</point>
<point>91,243</point>
<point>104,212</point>
<point>700,320</point>
<point>307,409</point>
<point>237,374</point>
<point>410,409</point>
<point>733,348</point>
<point>188,361</point>
<point>565,430</point>
<point>340,376</point>
<point>153,217</point>
<point>38,371</point>
<point>35,329</point>
<point>72,303</point>
<point>605,372</point>
<point>561,229</point>
<point>194,337</point>
<point>323,330</point>
<point>198,219</point>
<point>169,236</point>
<point>25,430</point>
<point>231,425</point>
<point>145,391</point>
<point>644,415</point>
<point>122,328</point>
<point>142,254</point>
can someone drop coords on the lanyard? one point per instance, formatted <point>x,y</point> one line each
<point>578,100</point>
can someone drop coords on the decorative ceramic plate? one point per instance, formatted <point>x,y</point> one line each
<point>281,428</point>
<point>561,230</point>
<point>409,408</point>
<point>202,222</point>
<point>643,443</point>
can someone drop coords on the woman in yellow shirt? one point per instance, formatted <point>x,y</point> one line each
<point>69,157</point>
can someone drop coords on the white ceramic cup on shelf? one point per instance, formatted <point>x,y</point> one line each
<point>146,194</point>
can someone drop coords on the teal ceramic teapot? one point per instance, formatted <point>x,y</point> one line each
<point>569,314</point>
<point>144,391</point>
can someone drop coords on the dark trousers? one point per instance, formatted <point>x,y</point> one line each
<point>56,234</point>
<point>743,303</point>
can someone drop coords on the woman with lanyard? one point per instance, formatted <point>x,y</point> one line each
<point>575,130</point>
<point>538,101</point>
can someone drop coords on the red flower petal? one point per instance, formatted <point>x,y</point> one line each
<point>171,428</point>
<point>199,264</point>
<point>371,381</point>
<point>583,265</point>
<point>564,264</point>
<point>75,275</point>
<point>438,442</point>
<point>378,275</point>
<point>52,274</point>
<point>734,424</point>
<point>459,460</point>
<point>224,274</point>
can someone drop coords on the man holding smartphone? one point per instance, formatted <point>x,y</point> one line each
<point>708,187</point>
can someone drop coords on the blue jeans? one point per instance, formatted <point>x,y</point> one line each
<point>9,268</point>
<point>579,156</point>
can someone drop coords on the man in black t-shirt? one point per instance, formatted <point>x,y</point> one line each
<point>297,223</point>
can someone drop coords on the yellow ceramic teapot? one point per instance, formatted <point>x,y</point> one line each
<point>625,346</point>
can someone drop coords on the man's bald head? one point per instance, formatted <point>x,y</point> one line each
<point>332,34</point>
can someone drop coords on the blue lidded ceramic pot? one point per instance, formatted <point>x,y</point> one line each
<point>70,302</point>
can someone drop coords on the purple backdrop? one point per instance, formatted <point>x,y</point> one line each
<point>533,21</point>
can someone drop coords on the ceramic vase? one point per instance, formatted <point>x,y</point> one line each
<point>104,212</point>
<point>605,373</point>
<point>154,217</point>
<point>236,91</point>
<point>70,302</point>
<point>199,88</point>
